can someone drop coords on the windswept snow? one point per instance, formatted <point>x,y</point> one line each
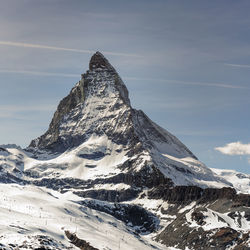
<point>100,157</point>
<point>188,171</point>
<point>240,181</point>
<point>96,157</point>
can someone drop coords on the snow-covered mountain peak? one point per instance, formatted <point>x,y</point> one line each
<point>97,104</point>
<point>102,80</point>
<point>99,107</point>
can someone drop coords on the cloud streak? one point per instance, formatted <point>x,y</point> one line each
<point>13,111</point>
<point>37,73</point>
<point>204,84</point>
<point>237,65</point>
<point>40,46</point>
<point>235,148</point>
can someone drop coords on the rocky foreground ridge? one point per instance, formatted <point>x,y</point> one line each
<point>110,158</point>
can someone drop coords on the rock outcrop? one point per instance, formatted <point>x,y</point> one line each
<point>82,244</point>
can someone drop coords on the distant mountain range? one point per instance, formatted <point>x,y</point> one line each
<point>104,176</point>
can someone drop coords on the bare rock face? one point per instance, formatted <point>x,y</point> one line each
<point>80,243</point>
<point>187,194</point>
<point>98,61</point>
<point>100,90</point>
<point>51,137</point>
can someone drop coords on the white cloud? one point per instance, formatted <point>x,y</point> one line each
<point>40,46</point>
<point>235,148</point>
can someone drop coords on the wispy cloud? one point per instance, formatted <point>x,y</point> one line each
<point>210,84</point>
<point>205,84</point>
<point>40,46</point>
<point>235,148</point>
<point>37,73</point>
<point>237,65</point>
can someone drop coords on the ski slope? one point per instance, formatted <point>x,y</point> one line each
<point>29,211</point>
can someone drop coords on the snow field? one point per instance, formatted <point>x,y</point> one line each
<point>28,211</point>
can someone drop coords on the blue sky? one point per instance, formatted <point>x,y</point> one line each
<point>186,65</point>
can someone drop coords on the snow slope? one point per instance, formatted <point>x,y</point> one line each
<point>240,181</point>
<point>28,211</point>
<point>99,157</point>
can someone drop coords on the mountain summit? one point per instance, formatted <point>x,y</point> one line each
<point>99,104</point>
<point>98,61</point>
<point>98,109</point>
<point>96,103</point>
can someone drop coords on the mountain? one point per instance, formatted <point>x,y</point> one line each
<point>97,121</point>
<point>103,162</point>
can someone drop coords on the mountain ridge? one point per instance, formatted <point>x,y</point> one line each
<point>99,106</point>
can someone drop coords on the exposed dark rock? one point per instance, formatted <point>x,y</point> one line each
<point>242,200</point>
<point>225,237</point>
<point>4,150</point>
<point>109,195</point>
<point>199,217</point>
<point>43,243</point>
<point>6,177</point>
<point>98,61</point>
<point>179,234</point>
<point>51,138</point>
<point>133,215</point>
<point>147,177</point>
<point>177,194</point>
<point>82,244</point>
<point>93,156</point>
<point>186,194</point>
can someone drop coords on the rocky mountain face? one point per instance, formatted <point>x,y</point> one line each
<point>117,161</point>
<point>99,104</point>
